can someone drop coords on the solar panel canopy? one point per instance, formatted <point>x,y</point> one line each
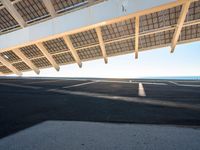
<point>171,24</point>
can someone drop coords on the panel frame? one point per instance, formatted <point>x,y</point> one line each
<point>10,66</point>
<point>9,6</point>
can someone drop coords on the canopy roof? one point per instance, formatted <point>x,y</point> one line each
<point>166,25</point>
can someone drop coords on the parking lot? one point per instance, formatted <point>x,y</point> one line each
<point>25,102</point>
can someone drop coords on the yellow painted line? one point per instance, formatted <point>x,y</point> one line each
<point>141,91</point>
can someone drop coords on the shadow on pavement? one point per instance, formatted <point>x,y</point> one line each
<point>22,108</point>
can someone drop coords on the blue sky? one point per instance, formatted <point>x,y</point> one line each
<point>185,61</point>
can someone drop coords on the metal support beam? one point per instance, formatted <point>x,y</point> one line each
<point>102,45</point>
<point>48,56</point>
<point>185,8</point>
<point>26,60</point>
<point>15,1</point>
<point>49,7</point>
<point>137,25</point>
<point>11,9</point>
<point>10,66</point>
<point>56,27</point>
<point>73,50</point>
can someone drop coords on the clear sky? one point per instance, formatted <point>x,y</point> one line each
<point>185,61</point>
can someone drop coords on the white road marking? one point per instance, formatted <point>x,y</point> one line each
<point>129,82</point>
<point>21,86</point>
<point>141,91</point>
<point>56,80</point>
<point>198,81</point>
<point>152,83</point>
<point>112,81</point>
<point>76,85</point>
<point>186,85</point>
<point>49,81</point>
<point>130,99</point>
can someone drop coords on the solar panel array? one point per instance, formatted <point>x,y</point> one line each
<point>63,5</point>
<point>156,30</point>
<point>34,11</point>
<point>31,10</point>
<point>7,22</point>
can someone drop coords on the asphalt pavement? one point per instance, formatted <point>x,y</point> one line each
<point>26,102</point>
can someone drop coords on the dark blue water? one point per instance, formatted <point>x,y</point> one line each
<point>176,78</point>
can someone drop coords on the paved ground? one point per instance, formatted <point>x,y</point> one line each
<point>28,102</point>
<point>70,135</point>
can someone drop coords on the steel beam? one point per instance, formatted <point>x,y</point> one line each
<point>73,50</point>
<point>179,26</point>
<point>48,56</point>
<point>49,7</point>
<point>102,45</point>
<point>10,66</point>
<point>137,21</point>
<point>26,60</point>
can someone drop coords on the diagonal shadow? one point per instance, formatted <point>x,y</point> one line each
<point>23,108</point>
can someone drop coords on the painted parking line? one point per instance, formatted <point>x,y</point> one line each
<point>194,81</point>
<point>21,86</point>
<point>49,81</point>
<point>129,99</point>
<point>185,85</point>
<point>151,83</point>
<point>81,84</point>
<point>141,91</point>
<point>112,81</point>
<point>130,82</point>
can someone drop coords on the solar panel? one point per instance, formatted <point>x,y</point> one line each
<point>41,62</point>
<point>156,39</point>
<point>31,51</point>
<point>84,38</point>
<point>64,5</point>
<point>168,17</point>
<point>190,32</point>
<point>90,53</point>
<point>124,46</point>
<point>64,58</point>
<point>10,56</point>
<point>7,22</point>
<point>31,10</point>
<point>119,29</point>
<point>194,11</point>
<point>55,45</point>
<point>4,69</point>
<point>21,66</point>
<point>172,15</point>
<point>152,21</point>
